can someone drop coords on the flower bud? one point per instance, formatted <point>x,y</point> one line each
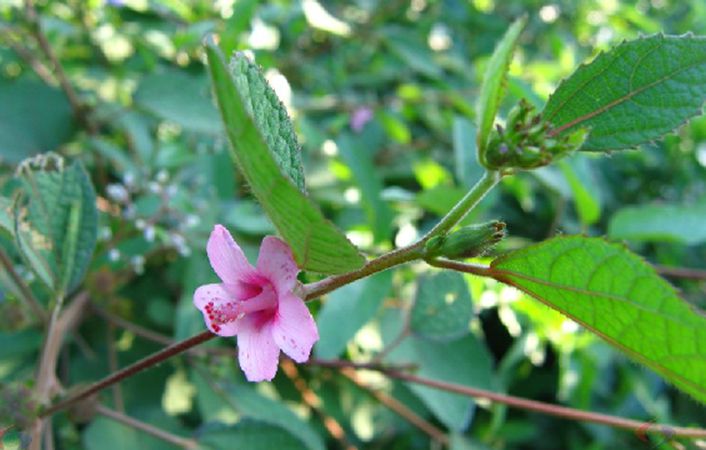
<point>527,141</point>
<point>466,242</point>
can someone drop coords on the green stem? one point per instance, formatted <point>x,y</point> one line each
<point>411,252</point>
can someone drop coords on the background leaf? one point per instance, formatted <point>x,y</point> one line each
<point>346,310</point>
<point>34,118</point>
<point>250,434</point>
<point>636,92</point>
<point>179,98</point>
<point>442,308</point>
<point>670,223</point>
<point>615,294</point>
<point>316,243</point>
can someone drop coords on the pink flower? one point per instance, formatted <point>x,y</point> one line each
<point>257,304</point>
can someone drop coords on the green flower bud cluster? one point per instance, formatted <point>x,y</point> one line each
<point>466,242</point>
<point>527,141</point>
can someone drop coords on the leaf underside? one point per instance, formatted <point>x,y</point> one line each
<point>316,243</point>
<point>635,93</point>
<point>618,296</point>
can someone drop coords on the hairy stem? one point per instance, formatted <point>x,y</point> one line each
<point>130,370</point>
<point>411,252</point>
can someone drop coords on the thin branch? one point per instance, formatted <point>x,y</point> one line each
<point>139,366</point>
<point>681,272</point>
<point>118,402</point>
<point>179,441</point>
<point>26,292</point>
<point>79,108</point>
<point>314,403</point>
<point>398,407</point>
<point>28,57</point>
<point>552,410</point>
<point>343,364</point>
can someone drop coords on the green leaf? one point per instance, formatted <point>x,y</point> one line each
<point>587,206</point>
<point>316,243</point>
<point>635,93</point>
<point>491,90</point>
<point>618,296</point>
<point>106,434</point>
<point>34,118</point>
<point>360,161</point>
<point>179,98</point>
<point>244,400</point>
<point>57,228</point>
<point>442,309</point>
<point>671,223</point>
<point>251,435</point>
<point>346,310</point>
<point>463,361</point>
<point>466,168</point>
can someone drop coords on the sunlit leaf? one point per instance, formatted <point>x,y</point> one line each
<point>618,296</point>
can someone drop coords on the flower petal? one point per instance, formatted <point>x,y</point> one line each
<point>226,257</point>
<point>215,304</point>
<point>276,262</point>
<point>294,329</point>
<point>257,352</point>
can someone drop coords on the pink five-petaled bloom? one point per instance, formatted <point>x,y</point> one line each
<point>257,304</point>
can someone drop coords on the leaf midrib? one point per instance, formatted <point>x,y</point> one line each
<point>620,100</point>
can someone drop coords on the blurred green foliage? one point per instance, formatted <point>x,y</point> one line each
<point>380,93</point>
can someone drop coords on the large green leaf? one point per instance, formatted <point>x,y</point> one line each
<point>346,310</point>
<point>316,243</point>
<point>618,296</point>
<point>57,225</point>
<point>672,223</point>
<point>637,92</point>
<point>491,90</point>
<point>442,308</point>
<point>34,118</point>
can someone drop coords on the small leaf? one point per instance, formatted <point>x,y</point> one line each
<point>316,243</point>
<point>655,223</point>
<point>491,90</point>
<point>346,310</point>
<point>585,199</point>
<point>618,296</point>
<point>57,228</point>
<point>636,92</point>
<point>442,309</point>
